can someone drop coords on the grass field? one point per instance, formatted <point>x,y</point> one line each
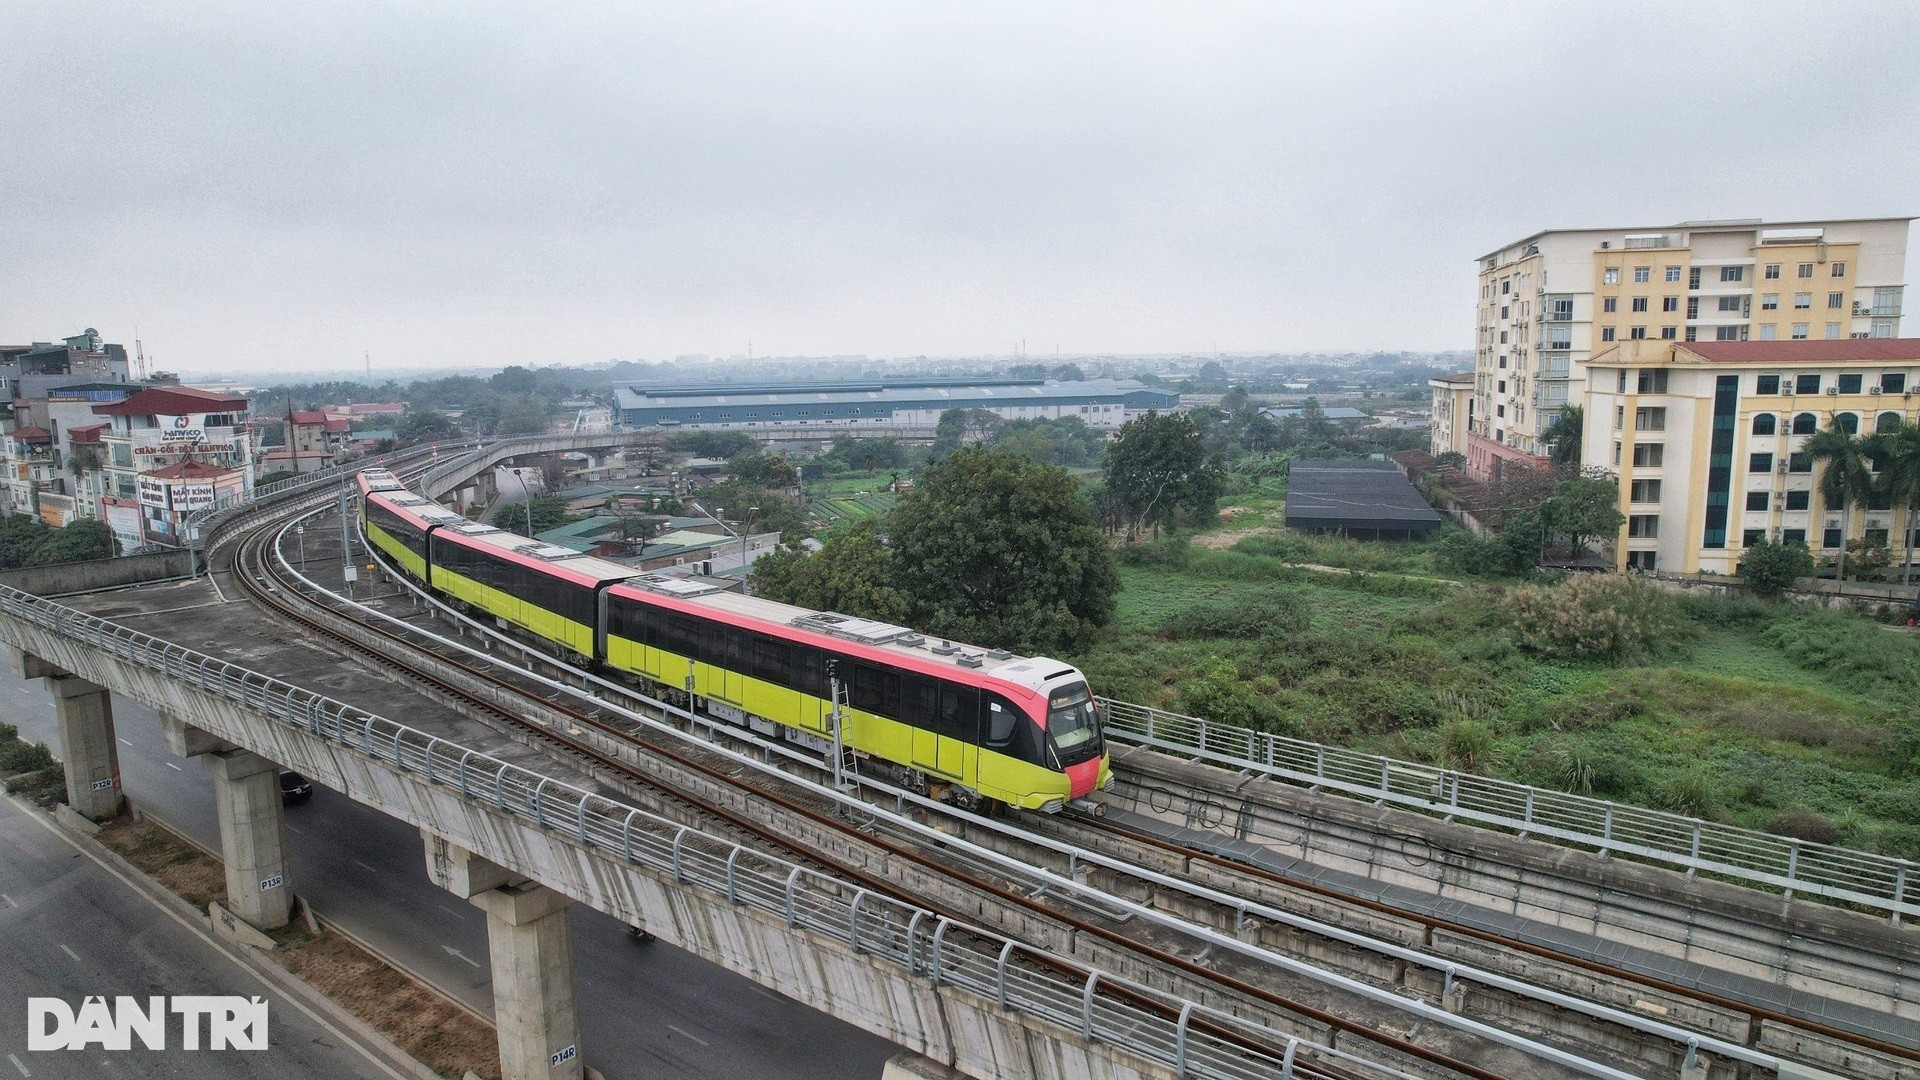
<point>1767,716</point>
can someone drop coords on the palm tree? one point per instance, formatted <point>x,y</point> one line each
<point>1565,434</point>
<point>1846,480</point>
<point>1899,452</point>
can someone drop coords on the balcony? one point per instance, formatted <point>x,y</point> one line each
<point>1876,311</point>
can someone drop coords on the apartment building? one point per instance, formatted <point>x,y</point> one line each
<point>1550,302</point>
<point>1452,414</point>
<point>168,452</point>
<point>1706,441</point>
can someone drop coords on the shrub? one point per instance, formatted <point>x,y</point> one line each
<point>1275,613</point>
<point>1558,763</point>
<point>1728,612</point>
<point>1593,617</point>
<point>1804,824</point>
<point>19,757</point>
<point>1688,792</point>
<point>1466,746</point>
<point>1219,694</point>
<point>1769,568</point>
<point>1173,550</point>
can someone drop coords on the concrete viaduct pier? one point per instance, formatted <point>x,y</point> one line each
<point>522,835</point>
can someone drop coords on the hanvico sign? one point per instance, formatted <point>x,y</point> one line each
<point>232,1023</point>
<point>178,434</point>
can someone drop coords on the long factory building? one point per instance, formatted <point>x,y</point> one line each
<point>883,405</point>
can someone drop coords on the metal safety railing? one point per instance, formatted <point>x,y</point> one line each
<point>1194,1040</point>
<point>1743,855</point>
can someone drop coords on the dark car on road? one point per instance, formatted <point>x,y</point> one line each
<point>294,788</point>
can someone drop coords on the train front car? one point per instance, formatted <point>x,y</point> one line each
<point>1069,722</point>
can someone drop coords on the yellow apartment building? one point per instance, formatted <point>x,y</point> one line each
<point>1705,438</point>
<point>1551,302</point>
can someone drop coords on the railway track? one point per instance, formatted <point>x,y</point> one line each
<point>264,584</point>
<point>287,597</point>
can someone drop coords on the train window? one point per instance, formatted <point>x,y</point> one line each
<point>1002,722</point>
<point>917,700</point>
<point>959,712</point>
<point>864,687</point>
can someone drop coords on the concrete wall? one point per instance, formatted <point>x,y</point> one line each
<point>99,573</point>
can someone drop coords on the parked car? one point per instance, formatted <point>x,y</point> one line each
<point>294,788</point>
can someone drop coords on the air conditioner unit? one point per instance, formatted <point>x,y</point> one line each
<point>1605,244</point>
<point>1874,389</point>
<point>1833,523</point>
<point>1832,390</point>
<point>1782,468</point>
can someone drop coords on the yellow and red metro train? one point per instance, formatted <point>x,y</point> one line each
<point>978,723</point>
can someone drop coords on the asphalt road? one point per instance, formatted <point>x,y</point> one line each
<point>70,927</point>
<point>648,1011</point>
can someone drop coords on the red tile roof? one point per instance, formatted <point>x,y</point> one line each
<point>188,470</point>
<point>34,435</point>
<point>1841,350</point>
<point>173,401</point>
<point>86,433</point>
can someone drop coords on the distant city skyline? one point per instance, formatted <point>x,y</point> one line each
<point>280,190</point>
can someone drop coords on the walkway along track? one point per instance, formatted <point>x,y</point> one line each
<point>1003,894</point>
<point>265,584</point>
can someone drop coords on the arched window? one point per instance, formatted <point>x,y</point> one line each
<point>1804,423</point>
<point>1887,422</point>
<point>1763,424</point>
<point>1847,423</point>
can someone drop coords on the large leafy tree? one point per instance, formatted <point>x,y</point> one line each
<point>1845,478</point>
<point>1158,470</point>
<point>853,572</point>
<point>1584,508</point>
<point>997,549</point>
<point>426,425</point>
<point>1769,568</point>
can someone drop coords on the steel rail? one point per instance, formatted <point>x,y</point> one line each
<point>1018,899</point>
<point>868,883</point>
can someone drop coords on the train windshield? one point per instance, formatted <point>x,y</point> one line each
<point>1072,724</point>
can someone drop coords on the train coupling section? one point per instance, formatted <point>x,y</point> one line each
<point>1090,807</point>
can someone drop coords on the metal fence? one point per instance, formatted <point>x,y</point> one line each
<point>1146,1022</point>
<point>1796,866</point>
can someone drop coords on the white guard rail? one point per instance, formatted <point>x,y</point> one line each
<point>1797,866</point>
<point>1146,1022</point>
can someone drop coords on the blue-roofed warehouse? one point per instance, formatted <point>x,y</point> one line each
<point>886,406</point>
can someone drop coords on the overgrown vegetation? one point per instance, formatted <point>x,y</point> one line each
<point>27,541</point>
<point>1758,713</point>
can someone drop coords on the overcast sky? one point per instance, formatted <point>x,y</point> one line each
<point>282,186</point>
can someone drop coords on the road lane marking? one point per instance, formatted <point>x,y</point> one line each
<point>124,742</point>
<point>688,1034</point>
<point>451,951</point>
<point>70,952</point>
<point>11,902</point>
<point>198,929</point>
<point>295,829</point>
<point>363,866</point>
<point>450,911</point>
<point>174,767</point>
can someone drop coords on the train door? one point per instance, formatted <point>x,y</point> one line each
<point>941,746</point>
<point>921,708</point>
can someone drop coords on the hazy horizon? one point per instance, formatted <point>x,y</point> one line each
<point>280,190</point>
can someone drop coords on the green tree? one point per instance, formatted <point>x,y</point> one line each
<point>1565,434</point>
<point>756,469</point>
<point>426,425</point>
<point>713,444</point>
<point>547,512</point>
<point>1899,453</point>
<point>523,416</point>
<point>1769,568</point>
<point>998,550</point>
<point>1583,508</point>
<point>964,427</point>
<point>1844,481</point>
<point>853,572</point>
<point>514,381</point>
<point>1158,468</point>
<point>77,542</point>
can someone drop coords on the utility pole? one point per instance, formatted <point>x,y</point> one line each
<point>348,572</point>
